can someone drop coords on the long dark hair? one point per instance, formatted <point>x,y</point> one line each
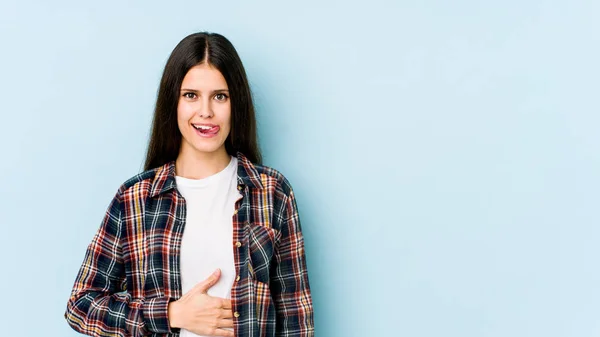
<point>215,50</point>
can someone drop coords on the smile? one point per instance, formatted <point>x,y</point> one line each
<point>206,130</point>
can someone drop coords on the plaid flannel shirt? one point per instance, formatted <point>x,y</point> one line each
<point>131,272</point>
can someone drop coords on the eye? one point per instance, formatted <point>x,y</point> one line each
<point>189,95</point>
<point>221,97</point>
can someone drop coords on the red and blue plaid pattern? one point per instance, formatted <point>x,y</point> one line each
<point>131,272</point>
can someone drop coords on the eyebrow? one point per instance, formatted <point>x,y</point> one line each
<point>194,90</point>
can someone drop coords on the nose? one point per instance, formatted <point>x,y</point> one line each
<point>205,110</point>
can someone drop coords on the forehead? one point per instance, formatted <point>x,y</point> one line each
<point>204,76</point>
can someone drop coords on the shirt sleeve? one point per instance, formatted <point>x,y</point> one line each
<point>290,287</point>
<point>99,304</point>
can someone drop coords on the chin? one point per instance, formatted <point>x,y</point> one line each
<point>203,148</point>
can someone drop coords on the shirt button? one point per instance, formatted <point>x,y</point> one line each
<point>239,188</point>
<point>236,314</point>
<point>238,244</point>
<point>237,278</point>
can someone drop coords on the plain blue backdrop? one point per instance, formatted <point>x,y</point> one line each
<point>445,154</point>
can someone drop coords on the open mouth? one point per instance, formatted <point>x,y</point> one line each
<point>206,129</point>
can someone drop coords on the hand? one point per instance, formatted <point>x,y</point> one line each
<point>200,313</point>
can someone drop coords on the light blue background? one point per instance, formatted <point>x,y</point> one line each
<point>445,154</point>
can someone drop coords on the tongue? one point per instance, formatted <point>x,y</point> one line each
<point>211,130</point>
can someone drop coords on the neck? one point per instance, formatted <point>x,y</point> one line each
<point>199,165</point>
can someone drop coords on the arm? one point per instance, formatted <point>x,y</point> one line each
<point>99,304</point>
<point>289,284</point>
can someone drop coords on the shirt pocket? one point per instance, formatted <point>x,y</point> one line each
<point>262,243</point>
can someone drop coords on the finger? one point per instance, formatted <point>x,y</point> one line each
<point>225,314</point>
<point>223,333</point>
<point>226,304</point>
<point>210,281</point>
<point>226,323</point>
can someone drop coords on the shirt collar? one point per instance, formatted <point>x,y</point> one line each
<point>164,179</point>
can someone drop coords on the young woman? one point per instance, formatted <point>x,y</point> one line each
<point>206,241</point>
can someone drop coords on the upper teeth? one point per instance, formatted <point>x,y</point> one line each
<point>204,127</point>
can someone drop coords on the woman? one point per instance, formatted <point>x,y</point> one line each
<point>206,241</point>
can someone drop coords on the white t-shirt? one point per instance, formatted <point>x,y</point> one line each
<point>208,234</point>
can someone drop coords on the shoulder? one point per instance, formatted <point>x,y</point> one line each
<point>276,193</point>
<point>273,178</point>
<point>140,183</point>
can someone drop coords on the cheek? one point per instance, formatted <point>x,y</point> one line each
<point>227,116</point>
<point>184,112</point>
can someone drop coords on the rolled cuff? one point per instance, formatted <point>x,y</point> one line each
<point>155,312</point>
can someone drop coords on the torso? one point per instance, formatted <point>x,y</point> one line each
<point>208,232</point>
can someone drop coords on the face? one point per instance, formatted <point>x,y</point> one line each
<point>204,111</point>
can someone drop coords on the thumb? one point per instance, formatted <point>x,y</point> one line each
<point>210,281</point>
